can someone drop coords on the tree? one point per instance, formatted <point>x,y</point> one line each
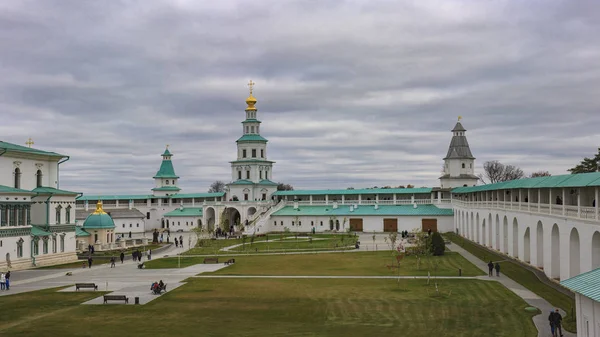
<point>284,187</point>
<point>437,244</point>
<point>540,174</point>
<point>587,165</point>
<point>410,186</point>
<point>217,186</point>
<point>495,172</point>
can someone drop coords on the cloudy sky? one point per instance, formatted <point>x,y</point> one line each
<point>351,93</point>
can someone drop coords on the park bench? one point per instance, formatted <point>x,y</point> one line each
<point>116,298</point>
<point>85,285</point>
<point>140,265</point>
<point>159,290</point>
<point>230,261</point>
<point>211,260</point>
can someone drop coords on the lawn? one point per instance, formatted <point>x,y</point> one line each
<point>351,263</point>
<point>524,277</point>
<point>237,307</point>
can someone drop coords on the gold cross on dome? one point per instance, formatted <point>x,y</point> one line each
<point>251,86</point>
<point>167,146</point>
<point>29,142</point>
<point>459,118</point>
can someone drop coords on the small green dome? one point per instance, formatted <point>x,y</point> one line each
<point>99,219</point>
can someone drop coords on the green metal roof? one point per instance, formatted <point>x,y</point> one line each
<point>36,231</point>
<point>52,190</point>
<point>197,195</point>
<point>27,150</point>
<point>167,188</point>
<point>81,232</point>
<point>364,210</point>
<point>422,190</point>
<point>242,182</point>
<point>565,180</point>
<point>115,197</point>
<point>98,221</point>
<point>251,161</point>
<point>191,211</point>
<point>167,152</point>
<point>253,138</point>
<point>8,189</point>
<point>251,120</point>
<point>267,182</point>
<point>586,284</point>
<point>166,169</point>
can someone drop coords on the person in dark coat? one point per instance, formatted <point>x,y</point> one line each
<point>112,262</point>
<point>497,266</point>
<point>134,256</point>
<point>122,257</point>
<point>139,255</point>
<point>558,323</point>
<point>551,321</point>
<point>491,268</point>
<point>176,243</point>
<point>90,262</point>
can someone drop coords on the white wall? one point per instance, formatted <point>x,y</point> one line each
<point>588,316</point>
<point>29,168</point>
<point>38,210</point>
<point>179,222</point>
<point>126,225</point>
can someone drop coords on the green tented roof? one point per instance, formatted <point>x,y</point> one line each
<point>190,211</point>
<point>8,189</point>
<point>167,188</point>
<point>586,284</point>
<point>197,195</point>
<point>423,190</point>
<point>364,210</point>
<point>242,182</point>
<point>253,138</point>
<point>81,232</point>
<point>23,149</point>
<point>565,180</point>
<point>166,169</point>
<point>36,231</point>
<point>52,190</point>
<point>167,152</point>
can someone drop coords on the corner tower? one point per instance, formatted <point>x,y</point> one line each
<point>251,173</point>
<point>165,180</point>
<point>459,163</point>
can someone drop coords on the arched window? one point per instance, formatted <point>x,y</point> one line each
<point>17,178</point>
<point>38,177</point>
<point>463,165</point>
<point>168,181</point>
<point>62,243</point>
<point>68,214</point>
<point>173,182</point>
<point>58,210</point>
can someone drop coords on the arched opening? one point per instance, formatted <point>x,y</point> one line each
<point>540,245</point>
<point>199,223</point>
<point>483,234</point>
<point>232,219</point>
<point>497,242</point>
<point>555,254</point>
<point>162,223</point>
<point>251,212</point>
<point>210,219</point>
<point>38,178</point>
<point>574,253</point>
<point>477,225</point>
<point>515,237</point>
<point>167,223</point>
<point>505,235</point>
<point>17,177</point>
<point>526,246</point>
<point>489,241</point>
<point>596,250</point>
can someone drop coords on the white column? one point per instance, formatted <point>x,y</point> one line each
<point>310,199</point>
<point>579,202</point>
<point>564,201</point>
<point>596,201</point>
<point>377,198</point>
<point>529,201</point>
<point>520,198</point>
<point>87,204</point>
<point>439,197</point>
<point>539,199</point>
<point>326,199</point>
<point>117,203</point>
<point>130,204</point>
<point>550,201</point>
<point>395,196</point>
<point>432,197</point>
<point>360,199</point>
<point>343,199</point>
<point>193,202</point>
<point>412,199</point>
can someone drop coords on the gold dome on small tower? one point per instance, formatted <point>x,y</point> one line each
<point>251,100</point>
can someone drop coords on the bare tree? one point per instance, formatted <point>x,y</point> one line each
<point>285,187</point>
<point>217,186</point>
<point>540,174</point>
<point>495,172</point>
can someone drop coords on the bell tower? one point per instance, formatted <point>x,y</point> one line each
<point>459,163</point>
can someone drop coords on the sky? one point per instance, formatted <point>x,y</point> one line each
<point>350,93</point>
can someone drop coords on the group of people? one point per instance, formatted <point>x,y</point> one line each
<point>5,281</point>
<point>492,266</point>
<point>555,320</point>
<point>157,287</point>
<point>179,243</point>
<point>137,255</point>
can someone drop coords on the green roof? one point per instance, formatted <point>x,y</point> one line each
<point>586,284</point>
<point>242,182</point>
<point>251,120</point>
<point>52,190</point>
<point>565,180</point>
<point>115,197</point>
<point>27,150</point>
<point>198,195</point>
<point>167,188</point>
<point>251,161</point>
<point>363,210</point>
<point>253,138</point>
<point>267,182</point>
<point>167,152</point>
<point>81,232</point>
<point>422,190</point>
<point>185,212</point>
<point>98,221</point>
<point>7,189</point>
<point>36,231</point>
<point>166,169</point>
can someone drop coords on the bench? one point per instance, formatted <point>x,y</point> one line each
<point>85,285</point>
<point>211,260</point>
<point>230,261</point>
<point>116,298</point>
<point>140,265</point>
<point>159,290</point>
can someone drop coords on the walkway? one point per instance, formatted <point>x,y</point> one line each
<point>540,321</point>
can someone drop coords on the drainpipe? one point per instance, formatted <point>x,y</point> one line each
<point>58,171</point>
<point>3,152</point>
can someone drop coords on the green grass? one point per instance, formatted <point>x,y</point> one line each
<point>524,277</point>
<point>238,307</point>
<point>363,263</point>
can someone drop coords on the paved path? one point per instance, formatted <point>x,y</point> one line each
<point>342,277</point>
<point>540,321</point>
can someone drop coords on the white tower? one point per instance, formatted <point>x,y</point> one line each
<point>251,173</point>
<point>165,180</point>
<point>459,163</point>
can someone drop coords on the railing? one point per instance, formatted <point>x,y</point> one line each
<point>583,212</point>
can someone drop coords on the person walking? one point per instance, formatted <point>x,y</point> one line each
<point>112,262</point>
<point>122,257</point>
<point>497,266</point>
<point>90,262</point>
<point>176,243</point>
<point>558,324</point>
<point>551,321</point>
<point>134,256</point>
<point>2,281</point>
<point>7,277</point>
<point>181,241</point>
<point>149,254</point>
<point>139,254</point>
<point>491,268</point>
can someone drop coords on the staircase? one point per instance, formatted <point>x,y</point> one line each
<point>258,226</point>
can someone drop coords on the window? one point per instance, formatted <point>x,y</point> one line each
<point>299,223</point>
<point>62,243</point>
<point>293,223</point>
<point>45,246</point>
<point>470,165</point>
<point>260,174</point>
<point>239,174</point>
<point>463,165</point>
<point>58,209</point>
<point>36,248</point>
<point>247,174</point>
<point>266,175</point>
<point>20,248</point>
<point>246,196</point>
<point>282,223</point>
<point>262,153</point>
<point>244,153</point>
<point>312,223</point>
<point>68,214</point>
<point>252,129</point>
<point>54,245</point>
<point>274,223</point>
<point>38,178</point>
<point>264,196</point>
<point>178,223</point>
<point>130,225</point>
<point>321,223</point>
<point>167,182</point>
<point>137,225</point>
<point>253,153</point>
<point>247,129</point>
<point>17,178</point>
<point>123,225</point>
<point>147,215</point>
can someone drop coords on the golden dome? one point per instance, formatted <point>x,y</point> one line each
<point>250,101</point>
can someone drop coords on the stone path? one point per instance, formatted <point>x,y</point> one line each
<point>540,321</point>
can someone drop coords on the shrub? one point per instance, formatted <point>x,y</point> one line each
<point>437,244</point>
